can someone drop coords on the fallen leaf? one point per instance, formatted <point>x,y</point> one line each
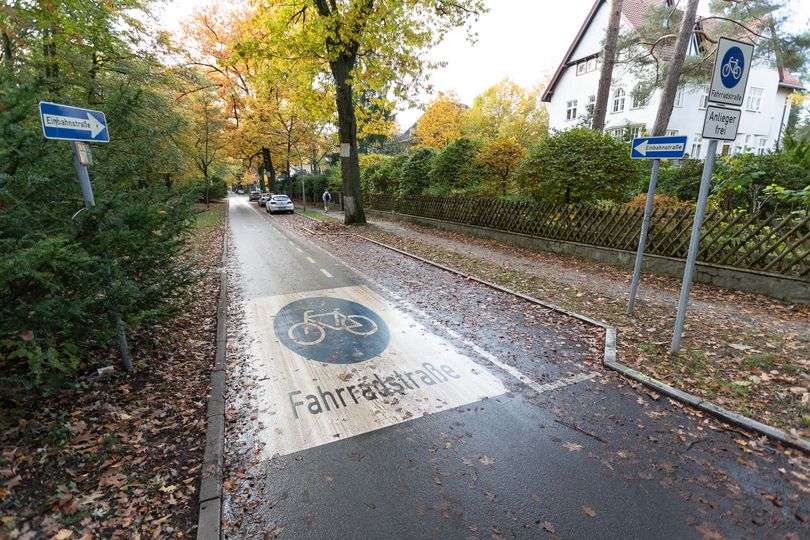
<point>572,446</point>
<point>590,512</point>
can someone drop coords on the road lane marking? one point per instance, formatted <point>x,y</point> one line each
<point>310,259</point>
<point>299,250</point>
<point>378,367</point>
<point>324,272</point>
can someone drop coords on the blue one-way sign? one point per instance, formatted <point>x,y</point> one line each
<point>658,147</point>
<point>68,123</point>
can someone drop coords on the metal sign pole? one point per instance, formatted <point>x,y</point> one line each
<point>645,225</point>
<point>89,200</point>
<point>693,245</point>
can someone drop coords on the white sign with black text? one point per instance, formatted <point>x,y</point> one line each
<point>721,123</point>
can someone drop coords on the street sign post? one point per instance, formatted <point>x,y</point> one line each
<point>730,74</point>
<point>654,148</point>
<point>729,77</point>
<point>66,123</point>
<point>79,126</point>
<point>658,147</point>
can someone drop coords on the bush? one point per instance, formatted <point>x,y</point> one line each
<point>660,201</point>
<point>742,181</point>
<point>415,172</point>
<point>380,173</point>
<point>454,169</point>
<point>680,181</point>
<point>217,189</point>
<point>578,165</point>
<point>61,271</point>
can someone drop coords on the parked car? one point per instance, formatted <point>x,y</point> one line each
<point>240,191</point>
<point>264,198</point>
<point>279,203</point>
<point>255,195</point>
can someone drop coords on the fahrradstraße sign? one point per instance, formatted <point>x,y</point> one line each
<point>730,74</point>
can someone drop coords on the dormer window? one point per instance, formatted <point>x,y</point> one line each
<point>587,65</point>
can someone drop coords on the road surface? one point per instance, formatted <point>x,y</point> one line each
<point>365,404</point>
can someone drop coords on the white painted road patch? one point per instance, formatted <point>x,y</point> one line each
<point>307,403</point>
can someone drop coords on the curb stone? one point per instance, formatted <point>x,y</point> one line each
<point>209,524</point>
<point>610,361</point>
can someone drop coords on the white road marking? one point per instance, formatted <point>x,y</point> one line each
<point>327,274</point>
<point>534,385</point>
<point>310,259</point>
<point>308,403</point>
<point>299,250</point>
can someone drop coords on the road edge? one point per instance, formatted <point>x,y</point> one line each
<point>609,360</point>
<point>209,524</point>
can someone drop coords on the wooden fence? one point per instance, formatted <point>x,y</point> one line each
<point>773,243</point>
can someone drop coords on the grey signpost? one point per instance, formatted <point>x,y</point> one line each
<point>729,76</point>
<point>653,148</point>
<point>79,126</point>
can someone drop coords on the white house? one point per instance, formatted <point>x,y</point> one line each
<point>572,91</point>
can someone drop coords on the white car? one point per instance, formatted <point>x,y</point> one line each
<point>279,203</point>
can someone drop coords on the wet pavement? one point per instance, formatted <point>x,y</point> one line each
<point>490,416</point>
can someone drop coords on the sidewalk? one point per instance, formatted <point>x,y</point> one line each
<point>746,352</point>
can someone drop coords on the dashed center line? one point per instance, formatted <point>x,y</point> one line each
<point>324,272</point>
<point>299,250</point>
<point>310,259</point>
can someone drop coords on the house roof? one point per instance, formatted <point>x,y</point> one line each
<point>633,12</point>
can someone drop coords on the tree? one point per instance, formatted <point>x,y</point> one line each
<point>557,170</point>
<point>454,168</point>
<point>500,159</point>
<point>442,122</point>
<point>207,126</point>
<point>354,41</point>
<point>415,172</point>
<point>506,110</point>
<point>674,68</point>
<point>608,59</point>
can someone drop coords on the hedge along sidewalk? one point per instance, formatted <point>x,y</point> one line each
<point>209,525</point>
<point>610,360</point>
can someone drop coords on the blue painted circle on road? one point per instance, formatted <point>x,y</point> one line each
<point>331,330</point>
<point>732,67</point>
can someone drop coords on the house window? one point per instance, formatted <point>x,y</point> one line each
<point>704,98</point>
<point>725,150</point>
<point>591,103</point>
<point>618,100</point>
<point>571,109</point>
<point>672,132</point>
<point>581,68</point>
<point>637,131</point>
<point>747,145</point>
<point>697,146</point>
<point>586,66</point>
<point>591,64</point>
<point>617,133</point>
<point>754,100</point>
<point>679,97</point>
<point>640,96</point>
<point>763,145</point>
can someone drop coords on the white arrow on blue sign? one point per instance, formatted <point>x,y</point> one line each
<point>658,147</point>
<point>67,123</point>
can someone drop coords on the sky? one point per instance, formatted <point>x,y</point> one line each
<point>524,40</point>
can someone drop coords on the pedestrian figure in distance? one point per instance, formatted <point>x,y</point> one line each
<point>327,198</point>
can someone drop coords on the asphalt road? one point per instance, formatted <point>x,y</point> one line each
<point>362,406</point>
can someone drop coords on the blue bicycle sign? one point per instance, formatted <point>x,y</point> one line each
<point>733,65</point>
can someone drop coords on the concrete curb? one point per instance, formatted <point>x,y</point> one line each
<point>209,525</point>
<point>609,360</point>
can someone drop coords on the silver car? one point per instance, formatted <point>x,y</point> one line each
<point>264,198</point>
<point>279,203</point>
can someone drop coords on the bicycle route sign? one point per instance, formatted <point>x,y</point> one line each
<point>331,330</point>
<point>730,74</point>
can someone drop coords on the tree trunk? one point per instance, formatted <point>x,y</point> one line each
<point>608,59</point>
<point>261,178</point>
<point>8,53</point>
<point>268,166</point>
<point>347,131</point>
<point>674,71</point>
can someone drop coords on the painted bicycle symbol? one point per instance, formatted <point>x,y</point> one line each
<point>732,67</point>
<point>312,330</point>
